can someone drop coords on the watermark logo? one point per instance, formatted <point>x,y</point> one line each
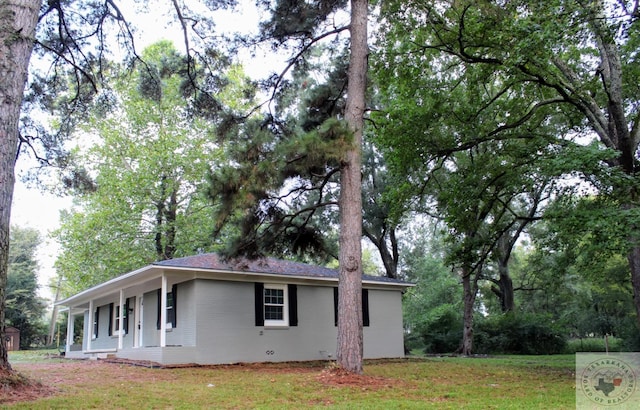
<point>607,380</point>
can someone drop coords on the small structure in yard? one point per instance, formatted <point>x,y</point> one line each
<point>11,338</point>
<point>204,310</point>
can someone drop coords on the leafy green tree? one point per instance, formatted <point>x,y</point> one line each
<point>146,201</point>
<point>433,308</point>
<point>566,63</point>
<point>579,283</point>
<point>18,22</point>
<point>380,223</point>
<point>301,24</point>
<point>73,35</point>
<point>25,309</point>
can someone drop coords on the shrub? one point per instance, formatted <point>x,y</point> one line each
<point>442,332</point>
<point>518,333</point>
<point>594,344</point>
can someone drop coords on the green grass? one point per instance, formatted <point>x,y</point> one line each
<point>34,356</point>
<point>502,382</point>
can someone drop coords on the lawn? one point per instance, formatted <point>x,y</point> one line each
<point>503,382</point>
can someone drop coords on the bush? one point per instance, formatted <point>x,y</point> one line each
<point>518,333</point>
<point>594,344</point>
<point>442,333</point>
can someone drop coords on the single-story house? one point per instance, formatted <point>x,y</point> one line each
<point>205,310</point>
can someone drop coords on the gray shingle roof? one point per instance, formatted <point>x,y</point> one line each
<point>264,266</point>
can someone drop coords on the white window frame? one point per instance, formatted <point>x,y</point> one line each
<point>285,306</point>
<point>95,324</point>
<point>116,323</point>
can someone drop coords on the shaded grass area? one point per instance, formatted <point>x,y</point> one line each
<point>505,382</point>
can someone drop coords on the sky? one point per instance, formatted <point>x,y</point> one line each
<point>40,210</point>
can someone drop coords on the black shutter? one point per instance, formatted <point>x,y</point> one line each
<point>259,303</point>
<point>125,317</point>
<point>174,293</point>
<point>365,307</point>
<point>159,308</point>
<point>335,306</point>
<point>293,305</point>
<point>110,319</point>
<point>96,323</point>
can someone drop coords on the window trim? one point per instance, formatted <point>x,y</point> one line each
<point>284,322</point>
<point>172,320</point>
<point>96,323</point>
<point>114,319</point>
<point>291,304</point>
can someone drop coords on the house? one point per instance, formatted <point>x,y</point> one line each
<point>204,310</point>
<point>11,338</point>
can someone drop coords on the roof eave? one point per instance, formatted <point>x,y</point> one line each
<point>130,279</point>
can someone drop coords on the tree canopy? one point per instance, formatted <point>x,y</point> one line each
<point>25,308</point>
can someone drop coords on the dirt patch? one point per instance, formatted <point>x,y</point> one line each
<point>340,377</point>
<point>43,379</point>
<point>15,387</point>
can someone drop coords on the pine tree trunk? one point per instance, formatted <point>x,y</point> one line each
<point>18,19</point>
<point>350,340</point>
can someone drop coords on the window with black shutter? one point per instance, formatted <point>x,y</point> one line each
<point>171,315</point>
<point>275,304</point>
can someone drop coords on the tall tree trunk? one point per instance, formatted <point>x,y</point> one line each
<point>634,264</point>
<point>350,340</point>
<point>171,214</point>
<point>504,289</point>
<point>469,292</point>
<point>54,313</point>
<point>18,19</point>
<point>388,256</point>
<point>617,127</point>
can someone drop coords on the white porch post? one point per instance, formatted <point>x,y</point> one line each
<point>120,321</point>
<point>163,312</point>
<point>70,330</point>
<point>90,330</point>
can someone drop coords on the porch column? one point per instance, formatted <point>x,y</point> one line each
<point>120,321</point>
<point>90,328</point>
<point>163,312</point>
<point>69,330</point>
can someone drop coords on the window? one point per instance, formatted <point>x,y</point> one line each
<point>276,305</point>
<point>114,319</point>
<point>275,313</point>
<point>96,322</point>
<point>172,305</point>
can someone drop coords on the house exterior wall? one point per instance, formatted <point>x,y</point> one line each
<point>384,337</point>
<point>185,332</point>
<point>105,320</point>
<point>150,332</point>
<point>227,331</point>
<point>216,324</point>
